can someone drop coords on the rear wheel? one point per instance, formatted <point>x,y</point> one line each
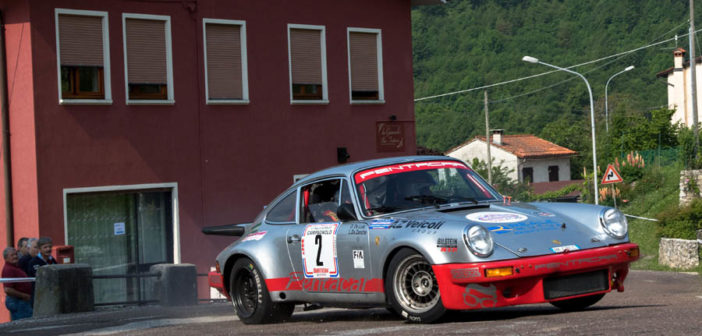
<point>578,303</point>
<point>411,287</point>
<point>250,296</point>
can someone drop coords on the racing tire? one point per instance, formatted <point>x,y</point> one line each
<point>412,289</point>
<point>577,303</point>
<point>250,296</point>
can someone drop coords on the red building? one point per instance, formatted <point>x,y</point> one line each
<point>133,124</point>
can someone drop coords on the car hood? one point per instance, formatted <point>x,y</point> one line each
<point>533,229</point>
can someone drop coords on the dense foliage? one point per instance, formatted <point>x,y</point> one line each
<point>466,44</point>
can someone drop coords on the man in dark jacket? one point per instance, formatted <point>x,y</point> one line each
<point>42,258</point>
<point>32,251</point>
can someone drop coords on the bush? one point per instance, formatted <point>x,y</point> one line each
<point>681,222</point>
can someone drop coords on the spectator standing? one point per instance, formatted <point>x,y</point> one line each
<point>22,247</point>
<point>43,257</point>
<point>32,251</point>
<point>18,295</point>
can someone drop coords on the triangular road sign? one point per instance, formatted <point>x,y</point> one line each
<point>611,175</point>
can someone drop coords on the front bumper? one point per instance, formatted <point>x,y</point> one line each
<point>466,286</point>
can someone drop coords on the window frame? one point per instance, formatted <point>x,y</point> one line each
<point>106,75</point>
<point>170,99</point>
<point>379,58</point>
<point>244,62</point>
<point>323,61</point>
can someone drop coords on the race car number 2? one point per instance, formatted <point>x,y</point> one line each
<point>319,251</point>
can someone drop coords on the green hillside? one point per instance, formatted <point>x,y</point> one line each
<point>468,44</point>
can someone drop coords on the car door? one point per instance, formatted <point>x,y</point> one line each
<point>329,256</point>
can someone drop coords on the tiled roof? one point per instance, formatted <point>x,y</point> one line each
<point>530,146</point>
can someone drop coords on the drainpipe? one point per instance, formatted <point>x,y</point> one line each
<point>5,116</point>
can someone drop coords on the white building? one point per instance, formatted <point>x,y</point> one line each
<point>679,87</point>
<point>527,156</point>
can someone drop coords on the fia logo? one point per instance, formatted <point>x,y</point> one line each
<point>358,261</point>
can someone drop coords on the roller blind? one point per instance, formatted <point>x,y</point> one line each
<point>80,40</point>
<point>364,61</point>
<point>146,51</point>
<point>224,61</point>
<point>306,56</point>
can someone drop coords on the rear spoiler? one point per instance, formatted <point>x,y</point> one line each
<point>236,230</point>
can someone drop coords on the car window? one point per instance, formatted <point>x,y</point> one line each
<point>320,201</point>
<point>284,210</point>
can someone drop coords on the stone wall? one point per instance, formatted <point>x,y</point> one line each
<point>690,185</point>
<point>679,253</point>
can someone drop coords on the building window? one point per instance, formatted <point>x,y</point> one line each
<point>365,65</point>
<point>226,76</point>
<point>527,174</point>
<point>308,69</point>
<point>82,52</point>
<point>148,63</point>
<point>552,173</point>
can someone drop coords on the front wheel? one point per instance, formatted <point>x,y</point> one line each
<point>578,303</point>
<point>412,289</point>
<point>250,296</point>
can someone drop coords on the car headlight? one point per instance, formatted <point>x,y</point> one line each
<point>614,223</point>
<point>478,240</point>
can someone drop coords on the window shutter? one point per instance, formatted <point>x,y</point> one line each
<point>306,56</point>
<point>364,61</point>
<point>146,51</point>
<point>80,40</point>
<point>224,61</point>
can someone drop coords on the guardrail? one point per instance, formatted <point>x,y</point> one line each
<point>12,280</point>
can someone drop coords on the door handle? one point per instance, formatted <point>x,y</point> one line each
<point>293,238</point>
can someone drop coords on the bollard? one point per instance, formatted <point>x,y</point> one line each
<point>176,285</point>
<point>61,289</point>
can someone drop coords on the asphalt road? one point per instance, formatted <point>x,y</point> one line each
<point>654,303</point>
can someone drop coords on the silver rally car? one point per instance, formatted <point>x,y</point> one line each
<point>419,235</point>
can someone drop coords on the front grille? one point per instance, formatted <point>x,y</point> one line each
<point>576,284</point>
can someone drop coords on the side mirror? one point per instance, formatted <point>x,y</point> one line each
<point>346,212</point>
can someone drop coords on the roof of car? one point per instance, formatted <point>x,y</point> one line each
<point>350,168</point>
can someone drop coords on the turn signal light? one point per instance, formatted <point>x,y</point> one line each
<point>633,252</point>
<point>498,272</point>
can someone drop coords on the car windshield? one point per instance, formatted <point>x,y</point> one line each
<point>414,185</point>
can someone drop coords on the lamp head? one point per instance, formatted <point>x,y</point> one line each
<point>631,67</point>
<point>530,59</point>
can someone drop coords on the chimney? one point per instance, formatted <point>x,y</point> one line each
<point>678,56</point>
<point>497,136</point>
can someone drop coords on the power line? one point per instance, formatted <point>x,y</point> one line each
<point>552,71</point>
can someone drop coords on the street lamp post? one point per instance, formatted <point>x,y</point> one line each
<point>606,104</point>
<point>592,118</point>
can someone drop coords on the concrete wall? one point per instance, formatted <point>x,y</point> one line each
<point>678,253</point>
<point>541,168</point>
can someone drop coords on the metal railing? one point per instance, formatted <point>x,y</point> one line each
<point>13,280</point>
<point>140,300</point>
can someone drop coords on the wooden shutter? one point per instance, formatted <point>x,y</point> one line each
<point>146,51</point>
<point>80,40</point>
<point>224,61</point>
<point>306,56</point>
<point>364,61</point>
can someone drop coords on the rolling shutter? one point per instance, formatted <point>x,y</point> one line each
<point>224,61</point>
<point>80,40</point>
<point>306,56</point>
<point>364,61</point>
<point>146,51</point>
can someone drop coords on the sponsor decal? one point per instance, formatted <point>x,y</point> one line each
<point>447,244</point>
<point>545,214</point>
<point>377,241</point>
<point>418,225</point>
<point>358,230</point>
<point>465,273</point>
<point>381,224</point>
<point>480,296</point>
<point>525,227</point>
<point>296,281</point>
<point>493,217</point>
<point>254,236</point>
<point>559,249</point>
<point>576,262</point>
<point>557,242</point>
<point>358,259</point>
<point>406,167</point>
<point>319,259</point>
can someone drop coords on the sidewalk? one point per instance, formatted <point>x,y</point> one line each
<point>118,320</point>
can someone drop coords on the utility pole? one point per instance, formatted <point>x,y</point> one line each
<point>693,78</point>
<point>487,139</point>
